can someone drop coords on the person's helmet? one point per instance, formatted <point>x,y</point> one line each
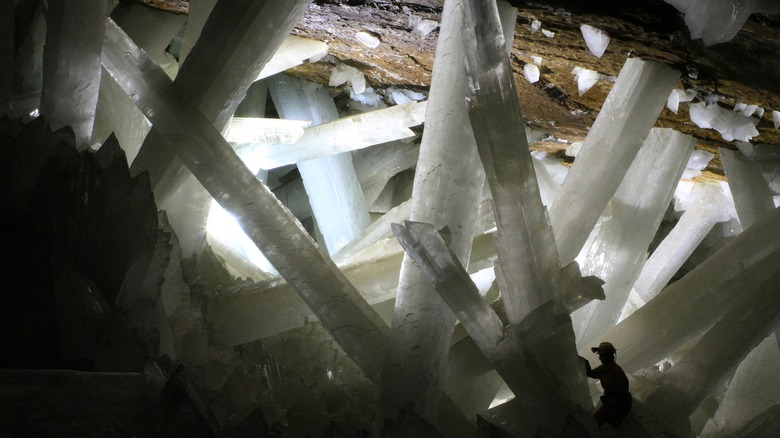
<point>604,348</point>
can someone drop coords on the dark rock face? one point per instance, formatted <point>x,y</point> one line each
<point>75,225</point>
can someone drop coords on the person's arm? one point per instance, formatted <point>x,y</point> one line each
<point>588,370</point>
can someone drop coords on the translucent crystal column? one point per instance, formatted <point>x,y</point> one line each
<point>527,257</point>
<point>751,193</point>
<point>447,189</point>
<point>197,15</point>
<point>375,166</point>
<point>718,353</point>
<point>529,356</point>
<point>705,211</point>
<point>380,229</point>
<point>613,141</point>
<point>472,383</point>
<point>71,64</point>
<point>293,52</point>
<point>526,251</point>
<point>334,192</point>
<point>339,135</point>
<point>754,387</point>
<point>619,251</point>
<point>765,424</point>
<point>332,298</point>
<point>689,306</point>
<point>152,30</point>
<point>253,312</point>
<point>236,42</point>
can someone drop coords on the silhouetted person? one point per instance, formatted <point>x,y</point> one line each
<point>616,401</point>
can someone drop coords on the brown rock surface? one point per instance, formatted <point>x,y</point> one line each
<point>741,71</point>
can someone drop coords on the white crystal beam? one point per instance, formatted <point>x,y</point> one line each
<point>689,306</point>
<point>718,353</point>
<point>524,241</point>
<point>751,193</point>
<point>441,267</point>
<point>528,259</point>
<point>152,30</point>
<point>619,251</point>
<point>514,351</point>
<point>253,312</point>
<point>621,127</point>
<point>375,166</point>
<point>334,191</point>
<point>754,387</point>
<point>766,423</point>
<point>244,130</point>
<point>197,15</point>
<point>237,40</point>
<point>335,301</point>
<point>380,229</point>
<point>71,65</point>
<point>472,383</point>
<point>705,211</point>
<point>447,189</point>
<point>344,135</point>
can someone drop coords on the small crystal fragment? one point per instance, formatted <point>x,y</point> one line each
<point>422,27</point>
<point>358,83</point>
<point>696,163</point>
<point>531,73</point>
<point>535,26</point>
<point>537,60</point>
<point>341,74</point>
<point>732,126</point>
<point>573,149</point>
<point>711,99</point>
<point>596,39</point>
<point>368,97</point>
<point>586,79</point>
<point>367,39</point>
<point>293,51</point>
<point>776,118</point>
<point>548,33</point>
<point>745,109</point>
<point>677,96</point>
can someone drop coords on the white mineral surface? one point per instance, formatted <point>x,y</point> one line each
<point>596,39</point>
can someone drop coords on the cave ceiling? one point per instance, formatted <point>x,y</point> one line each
<point>744,70</point>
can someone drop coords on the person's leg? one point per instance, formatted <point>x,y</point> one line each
<point>601,415</point>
